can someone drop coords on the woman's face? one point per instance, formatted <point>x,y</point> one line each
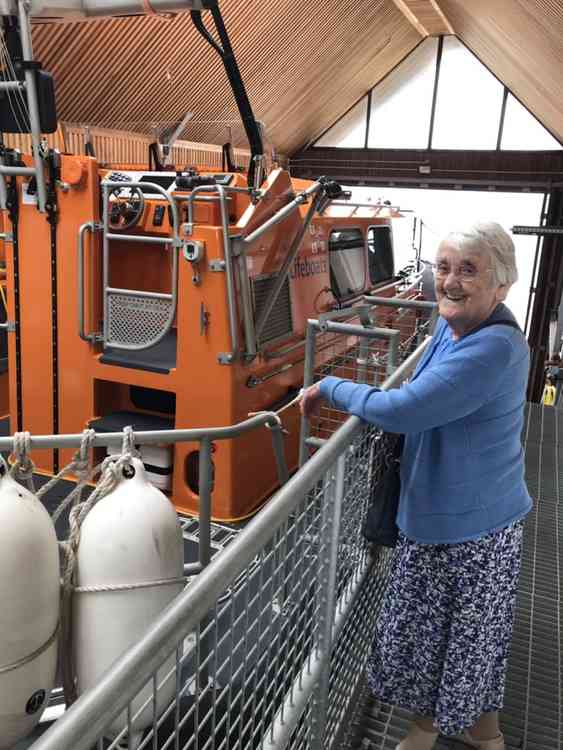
<point>465,289</point>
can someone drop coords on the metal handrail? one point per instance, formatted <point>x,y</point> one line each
<point>222,190</point>
<point>280,215</point>
<point>86,720</point>
<point>195,195</point>
<point>390,334</point>
<point>413,304</point>
<point>284,270</point>
<point>89,226</point>
<point>175,241</point>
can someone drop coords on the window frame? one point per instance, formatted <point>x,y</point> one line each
<point>363,287</point>
<point>374,284</point>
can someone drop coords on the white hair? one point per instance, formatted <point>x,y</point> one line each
<point>489,237</point>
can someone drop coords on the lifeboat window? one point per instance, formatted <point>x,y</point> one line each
<point>380,254</point>
<point>347,261</point>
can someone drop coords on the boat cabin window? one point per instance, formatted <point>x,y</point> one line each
<point>347,261</point>
<point>380,254</point>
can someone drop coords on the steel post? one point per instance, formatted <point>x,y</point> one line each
<point>332,514</point>
<point>279,452</point>
<point>231,294</point>
<point>393,352</point>
<point>205,490</point>
<point>308,375</point>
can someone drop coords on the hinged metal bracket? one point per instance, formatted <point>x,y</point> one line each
<point>217,266</point>
<point>11,326</point>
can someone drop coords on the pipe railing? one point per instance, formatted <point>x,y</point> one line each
<point>205,437</point>
<point>108,291</point>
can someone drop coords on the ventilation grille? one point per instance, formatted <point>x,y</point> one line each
<point>279,322</point>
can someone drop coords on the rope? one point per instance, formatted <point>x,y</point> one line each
<point>279,411</point>
<point>81,466</point>
<point>34,654</point>
<point>22,468</point>
<point>128,586</point>
<point>128,445</point>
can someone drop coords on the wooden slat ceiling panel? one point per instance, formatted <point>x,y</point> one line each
<point>303,64</point>
<point>521,41</point>
<point>426,16</point>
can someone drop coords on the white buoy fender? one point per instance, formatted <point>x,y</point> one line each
<point>131,536</point>
<point>29,610</point>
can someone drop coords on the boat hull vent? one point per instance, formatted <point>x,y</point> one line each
<point>279,323</point>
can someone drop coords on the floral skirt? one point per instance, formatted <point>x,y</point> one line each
<point>443,636</point>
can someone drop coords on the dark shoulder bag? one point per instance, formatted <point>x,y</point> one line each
<point>380,526</point>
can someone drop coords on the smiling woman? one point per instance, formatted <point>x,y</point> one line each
<point>441,643</point>
<point>474,271</point>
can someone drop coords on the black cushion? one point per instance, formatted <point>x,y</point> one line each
<point>158,358</point>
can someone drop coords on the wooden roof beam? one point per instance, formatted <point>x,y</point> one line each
<point>426,16</point>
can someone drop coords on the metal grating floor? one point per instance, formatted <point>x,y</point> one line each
<point>532,718</point>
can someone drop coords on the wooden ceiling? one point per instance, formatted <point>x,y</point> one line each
<point>304,63</point>
<point>426,16</point>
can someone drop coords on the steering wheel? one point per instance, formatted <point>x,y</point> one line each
<point>126,206</point>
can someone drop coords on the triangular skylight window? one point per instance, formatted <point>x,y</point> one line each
<point>468,107</point>
<point>468,103</point>
<point>350,131</point>
<point>401,104</point>
<point>523,132</point>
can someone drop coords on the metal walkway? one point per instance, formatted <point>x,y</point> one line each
<point>532,718</point>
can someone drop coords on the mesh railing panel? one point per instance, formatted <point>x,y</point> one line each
<point>243,669</point>
<point>365,360</point>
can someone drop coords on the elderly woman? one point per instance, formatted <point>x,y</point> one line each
<point>442,639</point>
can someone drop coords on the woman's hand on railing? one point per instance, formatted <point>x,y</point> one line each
<point>310,402</point>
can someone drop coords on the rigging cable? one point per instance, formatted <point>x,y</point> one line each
<point>16,98</point>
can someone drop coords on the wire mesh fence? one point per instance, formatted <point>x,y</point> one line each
<point>372,342</point>
<point>266,647</point>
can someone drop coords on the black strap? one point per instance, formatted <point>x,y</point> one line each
<point>12,204</point>
<point>52,216</point>
<point>499,317</point>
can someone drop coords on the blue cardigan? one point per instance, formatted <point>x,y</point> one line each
<point>462,471</point>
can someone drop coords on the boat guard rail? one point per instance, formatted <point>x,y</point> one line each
<point>204,436</point>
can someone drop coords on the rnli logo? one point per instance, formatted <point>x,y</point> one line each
<point>35,702</point>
